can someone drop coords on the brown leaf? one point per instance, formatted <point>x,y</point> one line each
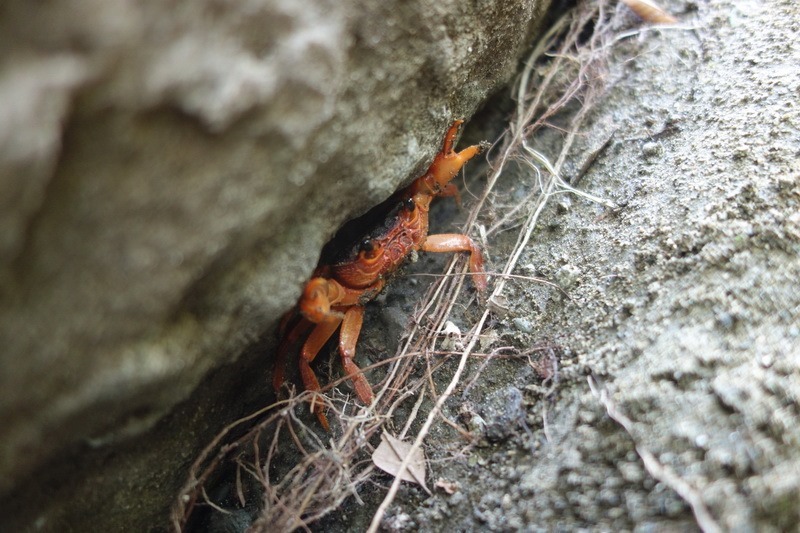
<point>389,456</point>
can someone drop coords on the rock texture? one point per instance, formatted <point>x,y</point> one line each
<point>169,173</point>
<point>683,305</point>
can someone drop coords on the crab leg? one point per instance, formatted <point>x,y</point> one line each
<point>451,190</point>
<point>455,242</point>
<point>322,332</point>
<point>292,328</point>
<point>351,328</point>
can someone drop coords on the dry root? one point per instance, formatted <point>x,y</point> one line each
<point>562,79</point>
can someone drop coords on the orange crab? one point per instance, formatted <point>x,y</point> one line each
<point>334,298</point>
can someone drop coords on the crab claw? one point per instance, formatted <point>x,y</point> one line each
<point>445,166</point>
<point>316,301</point>
<point>448,162</point>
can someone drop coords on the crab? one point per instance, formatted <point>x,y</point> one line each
<point>334,298</point>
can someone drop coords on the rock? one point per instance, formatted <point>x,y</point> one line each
<point>169,176</point>
<point>503,412</point>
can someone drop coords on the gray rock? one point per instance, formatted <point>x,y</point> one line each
<point>169,174</point>
<point>503,412</point>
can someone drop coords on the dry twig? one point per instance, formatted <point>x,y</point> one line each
<point>661,472</point>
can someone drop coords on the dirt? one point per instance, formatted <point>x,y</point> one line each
<point>682,305</point>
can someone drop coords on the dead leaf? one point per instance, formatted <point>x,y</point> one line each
<point>389,456</point>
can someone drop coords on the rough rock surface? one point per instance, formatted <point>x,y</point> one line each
<point>169,174</point>
<point>684,305</point>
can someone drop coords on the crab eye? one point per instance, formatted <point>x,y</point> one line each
<point>369,250</point>
<point>409,204</point>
